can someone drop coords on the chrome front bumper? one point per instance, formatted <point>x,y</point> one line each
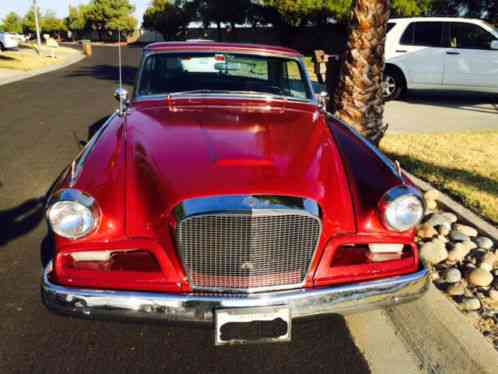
<point>145,306</point>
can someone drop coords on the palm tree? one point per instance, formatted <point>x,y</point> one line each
<point>359,96</point>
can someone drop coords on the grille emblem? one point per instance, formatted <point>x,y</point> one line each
<point>247,266</point>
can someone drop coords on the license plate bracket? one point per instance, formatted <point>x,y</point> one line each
<point>252,325</point>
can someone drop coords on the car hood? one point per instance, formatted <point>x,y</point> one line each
<point>186,149</point>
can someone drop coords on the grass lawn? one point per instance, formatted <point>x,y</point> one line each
<point>27,59</point>
<point>464,164</point>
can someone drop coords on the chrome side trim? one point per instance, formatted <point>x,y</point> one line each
<point>145,306</point>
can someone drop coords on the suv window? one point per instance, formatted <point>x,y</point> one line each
<point>390,25</point>
<point>469,36</point>
<point>428,34</point>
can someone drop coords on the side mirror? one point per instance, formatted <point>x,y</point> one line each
<point>121,95</point>
<point>494,44</point>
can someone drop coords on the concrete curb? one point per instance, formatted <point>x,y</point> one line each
<point>442,337</point>
<point>463,213</point>
<point>48,69</point>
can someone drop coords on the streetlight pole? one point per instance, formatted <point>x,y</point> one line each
<point>37,24</point>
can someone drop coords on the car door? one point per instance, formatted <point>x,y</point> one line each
<point>420,53</point>
<point>469,60</point>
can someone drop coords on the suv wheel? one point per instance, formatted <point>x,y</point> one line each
<point>393,85</point>
<point>2,48</point>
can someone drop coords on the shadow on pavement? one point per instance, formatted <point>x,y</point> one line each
<point>470,101</point>
<point>106,72</point>
<point>20,220</point>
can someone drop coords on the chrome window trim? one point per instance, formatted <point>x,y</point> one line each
<point>244,205</point>
<point>299,60</point>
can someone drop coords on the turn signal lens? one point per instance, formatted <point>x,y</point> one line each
<point>136,260</point>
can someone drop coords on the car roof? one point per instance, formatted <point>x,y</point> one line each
<point>208,46</point>
<point>440,19</point>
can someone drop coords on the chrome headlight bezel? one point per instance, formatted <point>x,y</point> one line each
<point>82,201</point>
<point>390,203</point>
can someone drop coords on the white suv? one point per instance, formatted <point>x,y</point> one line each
<point>8,40</point>
<point>440,53</point>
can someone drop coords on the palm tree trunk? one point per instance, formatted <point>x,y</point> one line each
<point>359,98</point>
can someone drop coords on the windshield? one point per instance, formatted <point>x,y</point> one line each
<point>225,73</point>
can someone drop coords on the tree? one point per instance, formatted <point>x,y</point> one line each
<point>112,15</point>
<point>166,18</point>
<point>222,11</point>
<point>485,9</point>
<point>77,20</point>
<point>359,97</point>
<point>28,22</point>
<point>50,24</point>
<point>12,23</point>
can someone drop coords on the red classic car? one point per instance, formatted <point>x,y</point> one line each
<point>223,192</point>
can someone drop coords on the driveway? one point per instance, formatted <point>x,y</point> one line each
<point>429,111</point>
<point>41,120</point>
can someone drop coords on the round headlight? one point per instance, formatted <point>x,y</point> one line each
<point>402,208</point>
<point>72,214</point>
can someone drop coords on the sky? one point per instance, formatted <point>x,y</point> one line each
<point>59,6</point>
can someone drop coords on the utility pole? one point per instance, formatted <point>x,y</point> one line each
<point>37,24</point>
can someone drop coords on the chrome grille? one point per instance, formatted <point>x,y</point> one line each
<point>247,251</point>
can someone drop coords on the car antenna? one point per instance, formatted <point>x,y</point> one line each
<point>120,68</point>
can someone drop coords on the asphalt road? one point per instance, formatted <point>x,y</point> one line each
<point>437,111</point>
<point>40,121</point>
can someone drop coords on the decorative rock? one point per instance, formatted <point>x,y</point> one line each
<point>431,204</point>
<point>453,276</point>
<point>434,252</point>
<point>488,261</point>
<point>480,277</point>
<point>458,236</point>
<point>456,289</point>
<point>466,230</point>
<point>471,304</point>
<point>484,242</point>
<point>458,253</point>
<point>437,219</point>
<point>469,244</point>
<point>449,217</point>
<point>468,293</point>
<point>444,229</point>
<point>426,231</point>
<point>493,294</point>
<point>434,275</point>
<point>432,195</point>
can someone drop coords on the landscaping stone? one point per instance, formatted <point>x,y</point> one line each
<point>453,276</point>
<point>470,304</point>
<point>431,204</point>
<point>465,229</point>
<point>432,195</point>
<point>426,231</point>
<point>450,217</point>
<point>458,253</point>
<point>444,229</point>
<point>484,242</point>
<point>456,289</point>
<point>480,277</point>
<point>458,236</point>
<point>488,261</point>
<point>493,294</point>
<point>434,252</point>
<point>437,219</point>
